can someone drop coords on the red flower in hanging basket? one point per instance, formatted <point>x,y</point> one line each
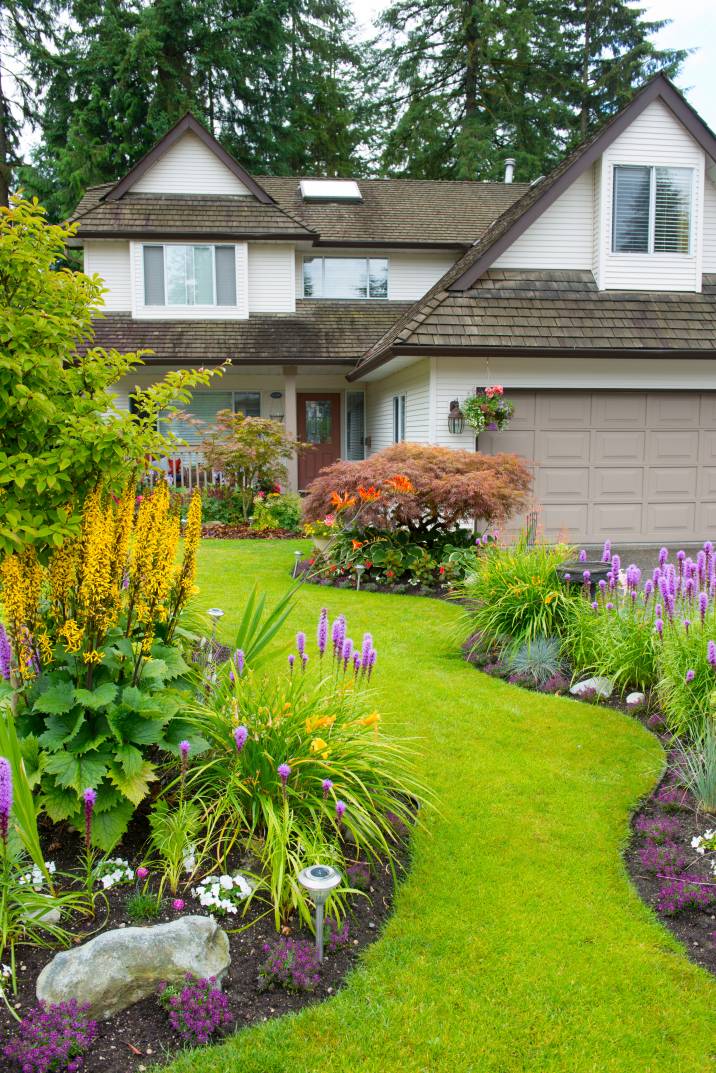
<point>488,409</point>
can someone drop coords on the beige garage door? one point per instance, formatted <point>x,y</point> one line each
<point>631,466</point>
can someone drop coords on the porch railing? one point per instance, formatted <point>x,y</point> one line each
<point>187,468</point>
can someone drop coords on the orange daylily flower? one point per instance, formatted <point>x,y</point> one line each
<point>357,544</point>
<point>342,500</point>
<point>400,483</point>
<point>369,494</point>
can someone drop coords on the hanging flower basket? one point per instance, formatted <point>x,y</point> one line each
<point>488,410</point>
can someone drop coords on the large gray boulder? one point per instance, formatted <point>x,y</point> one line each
<point>121,967</point>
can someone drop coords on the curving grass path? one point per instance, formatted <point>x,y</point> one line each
<point>517,943</point>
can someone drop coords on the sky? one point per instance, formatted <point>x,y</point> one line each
<point>693,25</point>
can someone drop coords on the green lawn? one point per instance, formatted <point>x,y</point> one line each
<point>517,942</point>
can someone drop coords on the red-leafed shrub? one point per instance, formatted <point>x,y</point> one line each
<point>446,487</point>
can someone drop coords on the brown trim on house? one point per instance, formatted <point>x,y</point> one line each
<point>385,245</point>
<point>213,236</point>
<point>188,123</point>
<point>237,363</point>
<point>427,350</point>
<point>658,88</point>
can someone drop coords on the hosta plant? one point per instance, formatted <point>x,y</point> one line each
<point>299,766</point>
<point>99,676</point>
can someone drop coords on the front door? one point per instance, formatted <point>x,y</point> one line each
<point>319,424</point>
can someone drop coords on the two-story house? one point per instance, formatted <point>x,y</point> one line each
<point>357,311</point>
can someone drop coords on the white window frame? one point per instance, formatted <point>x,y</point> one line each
<point>399,408</point>
<point>344,257</point>
<point>650,251</point>
<point>213,246</point>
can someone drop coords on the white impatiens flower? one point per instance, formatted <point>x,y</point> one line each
<point>222,894</point>
<point>113,872</point>
<point>36,877</point>
<point>705,842</point>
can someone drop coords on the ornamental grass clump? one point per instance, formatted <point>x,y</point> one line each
<point>196,1011</point>
<point>516,594</point>
<point>299,767</point>
<point>291,964</point>
<point>52,1039</point>
<point>96,666</point>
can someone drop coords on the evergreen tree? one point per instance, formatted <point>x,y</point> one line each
<point>470,82</point>
<point>26,28</point>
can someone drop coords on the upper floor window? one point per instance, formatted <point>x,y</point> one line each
<point>190,275</point>
<point>652,209</point>
<point>345,277</point>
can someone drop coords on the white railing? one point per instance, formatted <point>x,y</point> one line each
<point>186,467</point>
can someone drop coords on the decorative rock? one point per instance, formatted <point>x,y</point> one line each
<point>120,967</point>
<point>601,686</point>
<point>636,700</point>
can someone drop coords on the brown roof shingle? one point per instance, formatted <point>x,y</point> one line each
<point>318,332</point>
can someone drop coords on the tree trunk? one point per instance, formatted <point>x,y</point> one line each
<point>5,156</point>
<point>584,109</point>
<point>471,44</point>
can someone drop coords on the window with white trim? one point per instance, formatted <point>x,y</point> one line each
<point>198,416</point>
<point>176,275</point>
<point>398,418</point>
<point>345,277</point>
<point>651,210</point>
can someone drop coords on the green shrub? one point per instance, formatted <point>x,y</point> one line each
<point>222,504</point>
<point>517,594</point>
<point>276,511</point>
<point>686,701</point>
<point>299,769</point>
<point>618,643</point>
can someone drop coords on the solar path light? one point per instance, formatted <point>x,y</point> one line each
<point>319,880</point>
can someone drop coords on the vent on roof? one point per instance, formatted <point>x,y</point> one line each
<point>330,190</point>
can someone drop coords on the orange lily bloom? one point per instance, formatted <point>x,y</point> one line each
<point>400,483</point>
<point>357,544</point>
<point>368,495</point>
<point>341,501</point>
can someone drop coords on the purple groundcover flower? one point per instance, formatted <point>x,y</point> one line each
<point>358,875</point>
<point>656,721</point>
<point>5,797</point>
<point>52,1038</point>
<point>284,773</point>
<point>659,829</point>
<point>240,737</point>
<point>685,892</point>
<point>5,654</point>
<point>337,936</point>
<point>290,963</point>
<point>666,858</point>
<point>672,798</point>
<point>196,1011</point>
<point>556,683</point>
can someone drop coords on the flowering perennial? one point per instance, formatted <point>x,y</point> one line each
<point>197,1010</point>
<point>52,1039</point>
<point>113,872</point>
<point>290,963</point>
<point>222,894</point>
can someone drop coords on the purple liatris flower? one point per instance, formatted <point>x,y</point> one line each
<point>184,750</point>
<point>90,798</point>
<point>347,651</point>
<point>327,787</point>
<point>703,605</point>
<point>291,661</point>
<point>340,810</point>
<point>595,605</point>
<point>322,633</point>
<point>338,636</point>
<point>5,797</point>
<point>687,624</point>
<point>610,606</point>
<point>711,653</point>
<point>582,556</point>
<point>616,565</point>
<point>239,661</point>
<point>304,661</point>
<point>5,654</point>
<point>648,588</point>
<point>663,556</point>
<point>633,575</point>
<point>607,552</point>
<point>690,675</point>
<point>586,576</point>
<point>659,627</point>
<point>373,658</point>
<point>284,772</point>
<point>240,736</point>
<point>366,648</point>
<point>301,643</point>
<point>356,662</point>
<point>602,586</point>
<point>680,556</point>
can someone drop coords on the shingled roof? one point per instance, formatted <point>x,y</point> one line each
<point>464,275</point>
<point>319,332</point>
<point>216,216</point>
<point>397,212</point>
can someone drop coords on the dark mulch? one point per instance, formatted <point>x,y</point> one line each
<point>221,531</point>
<point>397,588</point>
<point>137,1037</point>
<point>695,928</point>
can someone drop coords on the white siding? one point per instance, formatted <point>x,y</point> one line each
<point>414,383</point>
<point>562,237</point>
<point>170,312</point>
<point>656,138</point>
<point>110,260</point>
<point>410,274</point>
<point>597,219</point>
<point>272,286</point>
<point>709,261</point>
<point>189,167</point>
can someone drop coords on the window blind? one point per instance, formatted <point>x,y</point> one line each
<point>225,275</point>
<point>154,275</point>
<point>632,196</point>
<point>672,210</point>
<point>197,418</point>
<point>189,275</point>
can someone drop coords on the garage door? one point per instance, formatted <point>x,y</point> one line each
<point>631,466</point>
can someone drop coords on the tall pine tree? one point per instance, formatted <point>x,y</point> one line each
<point>470,82</point>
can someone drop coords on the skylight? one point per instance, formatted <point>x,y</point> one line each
<point>330,190</point>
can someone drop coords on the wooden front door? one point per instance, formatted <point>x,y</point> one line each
<point>319,423</point>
